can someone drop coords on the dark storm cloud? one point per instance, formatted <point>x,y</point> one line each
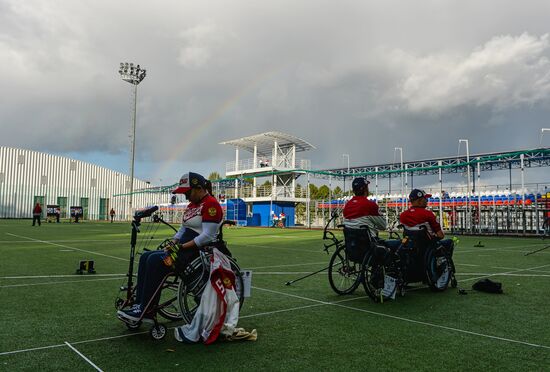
<point>350,77</point>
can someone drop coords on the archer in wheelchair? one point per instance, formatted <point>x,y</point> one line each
<point>423,255</point>
<point>362,222</point>
<point>176,273</point>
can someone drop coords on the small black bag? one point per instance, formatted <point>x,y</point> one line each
<point>487,285</point>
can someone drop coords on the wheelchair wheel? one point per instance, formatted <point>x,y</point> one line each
<point>344,275</point>
<point>379,281</point>
<point>168,306</point>
<point>194,280</point>
<point>158,332</point>
<point>439,270</point>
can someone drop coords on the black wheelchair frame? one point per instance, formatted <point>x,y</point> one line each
<point>180,291</point>
<point>419,258</point>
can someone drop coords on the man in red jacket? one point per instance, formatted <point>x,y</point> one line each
<point>417,215</point>
<point>36,214</point>
<point>359,210</point>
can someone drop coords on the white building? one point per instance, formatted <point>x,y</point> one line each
<point>27,177</point>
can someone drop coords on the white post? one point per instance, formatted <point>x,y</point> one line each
<point>524,223</point>
<point>468,212</point>
<point>439,164</point>
<point>478,195</point>
<point>347,157</point>
<point>308,204</point>
<point>255,157</point>
<point>542,130</point>
<point>274,156</point>
<point>330,196</point>
<point>376,180</point>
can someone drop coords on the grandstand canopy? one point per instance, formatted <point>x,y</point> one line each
<point>264,142</point>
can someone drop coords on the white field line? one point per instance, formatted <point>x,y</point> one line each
<point>144,332</point>
<point>481,249</point>
<point>55,276</point>
<point>58,282</point>
<point>289,265</point>
<point>503,274</point>
<point>507,272</point>
<point>68,241</point>
<point>83,357</point>
<point>275,248</point>
<point>408,319</point>
<point>286,272</point>
<point>66,246</point>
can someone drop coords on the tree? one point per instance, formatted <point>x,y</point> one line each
<point>337,191</point>
<point>323,192</point>
<point>214,176</point>
<point>313,190</point>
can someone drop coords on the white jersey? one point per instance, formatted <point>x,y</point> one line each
<point>218,311</point>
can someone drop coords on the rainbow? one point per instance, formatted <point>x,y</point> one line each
<point>191,136</point>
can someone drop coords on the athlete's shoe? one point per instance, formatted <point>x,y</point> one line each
<point>134,313</point>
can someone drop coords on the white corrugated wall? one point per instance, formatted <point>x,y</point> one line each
<point>25,174</point>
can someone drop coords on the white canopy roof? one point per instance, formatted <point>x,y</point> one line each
<point>264,142</point>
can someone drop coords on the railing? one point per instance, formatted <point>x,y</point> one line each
<point>265,192</point>
<point>248,164</point>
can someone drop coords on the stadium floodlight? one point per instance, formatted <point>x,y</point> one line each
<point>542,130</point>
<point>345,156</point>
<point>133,75</point>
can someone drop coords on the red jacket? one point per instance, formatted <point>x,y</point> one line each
<point>37,209</point>
<point>415,217</point>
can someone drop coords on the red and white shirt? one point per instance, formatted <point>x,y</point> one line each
<point>204,218</point>
<point>415,217</point>
<point>360,211</point>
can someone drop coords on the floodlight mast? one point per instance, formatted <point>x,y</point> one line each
<point>469,223</point>
<point>345,156</point>
<point>133,75</point>
<point>400,149</point>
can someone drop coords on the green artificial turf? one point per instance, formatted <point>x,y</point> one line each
<point>305,326</point>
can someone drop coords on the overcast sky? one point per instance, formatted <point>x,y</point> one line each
<point>354,77</point>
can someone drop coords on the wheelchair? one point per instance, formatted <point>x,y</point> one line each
<point>180,291</point>
<point>387,271</point>
<point>344,274</point>
<point>345,270</point>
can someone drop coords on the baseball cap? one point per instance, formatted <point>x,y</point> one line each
<point>417,194</point>
<point>188,181</point>
<point>359,183</point>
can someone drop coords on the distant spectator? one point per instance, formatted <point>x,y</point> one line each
<point>282,219</point>
<point>262,164</point>
<point>57,214</point>
<point>274,219</point>
<point>112,214</point>
<point>36,214</point>
<point>445,194</point>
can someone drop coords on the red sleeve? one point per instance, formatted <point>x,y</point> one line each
<point>374,208</point>
<point>430,217</point>
<point>212,211</point>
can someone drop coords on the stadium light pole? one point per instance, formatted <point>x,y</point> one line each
<point>133,75</point>
<point>345,156</point>
<point>468,170</point>
<point>542,130</point>
<point>401,174</point>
